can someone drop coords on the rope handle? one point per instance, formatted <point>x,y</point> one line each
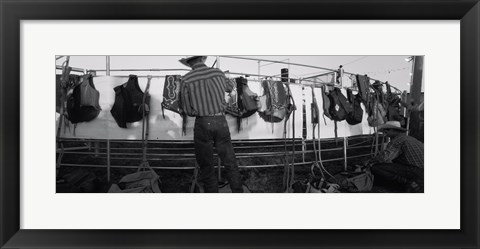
<point>145,120</point>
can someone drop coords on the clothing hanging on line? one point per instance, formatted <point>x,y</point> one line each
<point>83,101</point>
<point>128,104</point>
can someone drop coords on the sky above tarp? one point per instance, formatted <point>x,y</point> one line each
<point>392,68</point>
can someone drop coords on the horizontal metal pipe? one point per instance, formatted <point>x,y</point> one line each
<point>293,64</point>
<point>241,166</point>
<point>240,144</point>
<point>318,75</point>
<point>73,148</point>
<point>191,148</point>
<point>273,140</point>
<point>232,57</point>
<point>184,158</point>
<point>76,69</point>
<point>301,81</point>
<point>280,62</point>
<point>181,155</point>
<point>139,76</point>
<point>144,70</point>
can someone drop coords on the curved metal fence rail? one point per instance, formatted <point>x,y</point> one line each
<point>179,155</point>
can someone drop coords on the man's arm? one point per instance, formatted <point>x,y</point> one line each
<point>185,98</point>
<point>230,84</point>
<point>388,155</point>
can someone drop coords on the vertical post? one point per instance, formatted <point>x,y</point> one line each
<point>67,59</point>
<point>284,76</point>
<point>63,98</point>
<point>288,65</point>
<point>96,146</point>
<point>404,97</point>
<point>345,145</point>
<point>108,160</point>
<point>409,96</point>
<point>258,70</point>
<point>108,65</point>
<point>415,123</point>
<point>417,76</point>
<point>304,123</point>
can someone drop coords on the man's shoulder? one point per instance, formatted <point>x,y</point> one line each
<point>203,72</point>
<point>207,70</point>
<point>399,139</point>
<point>414,140</point>
<point>409,139</point>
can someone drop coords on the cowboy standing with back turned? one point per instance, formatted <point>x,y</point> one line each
<point>203,96</point>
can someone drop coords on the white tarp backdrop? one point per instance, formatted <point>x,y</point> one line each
<point>170,127</point>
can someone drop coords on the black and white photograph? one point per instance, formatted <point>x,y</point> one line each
<point>239,124</point>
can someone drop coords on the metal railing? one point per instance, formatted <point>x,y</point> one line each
<point>180,155</point>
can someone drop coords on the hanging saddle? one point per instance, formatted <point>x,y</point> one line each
<point>277,102</point>
<point>242,102</point>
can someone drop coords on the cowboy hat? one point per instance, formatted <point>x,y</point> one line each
<point>186,61</point>
<point>394,125</point>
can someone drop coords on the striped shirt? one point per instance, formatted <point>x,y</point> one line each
<point>403,149</point>
<point>203,91</point>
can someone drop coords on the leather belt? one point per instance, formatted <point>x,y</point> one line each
<point>216,114</point>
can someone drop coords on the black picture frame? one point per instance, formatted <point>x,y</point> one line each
<point>13,11</point>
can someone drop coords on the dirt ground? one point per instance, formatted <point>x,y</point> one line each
<point>256,180</point>
<point>84,170</point>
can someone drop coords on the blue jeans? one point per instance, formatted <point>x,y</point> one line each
<point>212,131</point>
<point>398,174</point>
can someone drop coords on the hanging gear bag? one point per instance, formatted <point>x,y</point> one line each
<point>277,102</point>
<point>356,115</point>
<point>363,83</point>
<point>339,106</point>
<point>128,102</point>
<point>171,94</point>
<point>145,180</point>
<point>172,98</point>
<point>248,100</point>
<point>378,114</point>
<point>314,108</point>
<point>139,182</point>
<point>326,104</point>
<point>243,102</point>
<point>83,101</point>
<point>359,181</point>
